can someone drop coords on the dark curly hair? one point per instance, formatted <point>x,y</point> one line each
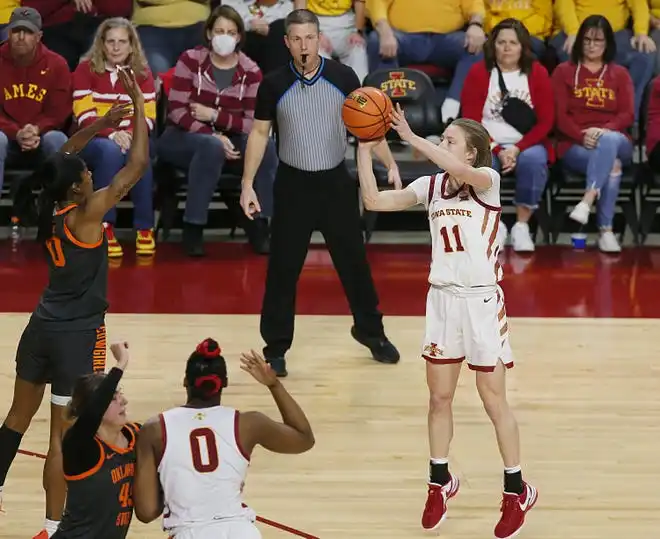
<point>206,371</point>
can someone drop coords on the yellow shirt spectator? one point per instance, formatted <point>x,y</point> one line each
<point>329,8</point>
<point>415,16</point>
<point>571,13</point>
<point>655,8</point>
<point>169,13</point>
<point>6,7</point>
<point>536,15</point>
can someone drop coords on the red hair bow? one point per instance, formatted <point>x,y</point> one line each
<point>203,349</point>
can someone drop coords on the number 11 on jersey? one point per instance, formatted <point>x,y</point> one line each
<point>448,240</point>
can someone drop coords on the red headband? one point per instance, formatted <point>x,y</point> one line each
<point>203,349</point>
<point>214,378</point>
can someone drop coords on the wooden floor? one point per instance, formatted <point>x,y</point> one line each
<point>586,393</point>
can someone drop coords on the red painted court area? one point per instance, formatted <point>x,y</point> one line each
<point>553,282</point>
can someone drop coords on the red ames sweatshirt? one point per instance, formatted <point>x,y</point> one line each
<point>38,94</point>
<point>584,99</point>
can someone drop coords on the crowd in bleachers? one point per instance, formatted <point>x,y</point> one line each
<point>575,74</point>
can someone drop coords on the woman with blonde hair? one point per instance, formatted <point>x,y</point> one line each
<point>96,87</point>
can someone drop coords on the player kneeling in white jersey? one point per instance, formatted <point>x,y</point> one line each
<point>192,460</point>
<point>465,314</point>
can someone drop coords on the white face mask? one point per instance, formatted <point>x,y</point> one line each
<point>223,44</point>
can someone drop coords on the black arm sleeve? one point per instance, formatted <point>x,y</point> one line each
<point>343,77</point>
<point>79,448</point>
<point>352,82</point>
<point>266,101</point>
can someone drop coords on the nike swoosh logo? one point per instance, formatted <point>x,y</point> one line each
<point>109,456</point>
<point>487,300</point>
<point>530,496</point>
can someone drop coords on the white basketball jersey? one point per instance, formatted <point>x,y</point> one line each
<point>463,231</point>
<point>203,468</point>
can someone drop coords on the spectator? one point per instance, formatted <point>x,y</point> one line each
<point>36,94</point>
<point>96,87</point>
<point>169,27</point>
<point>653,127</point>
<point>654,5</point>
<point>428,32</point>
<point>342,32</point>
<point>6,7</point>
<point>212,103</point>
<point>264,22</point>
<point>69,25</point>
<point>595,108</point>
<point>518,149</point>
<point>536,15</point>
<point>634,52</point>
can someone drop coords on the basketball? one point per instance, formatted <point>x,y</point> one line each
<point>366,113</point>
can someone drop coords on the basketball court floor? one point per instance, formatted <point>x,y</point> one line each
<point>586,390</point>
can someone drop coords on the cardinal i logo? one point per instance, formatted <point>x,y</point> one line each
<point>398,85</point>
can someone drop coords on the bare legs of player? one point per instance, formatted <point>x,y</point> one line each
<point>519,497</point>
<point>492,390</point>
<point>26,402</point>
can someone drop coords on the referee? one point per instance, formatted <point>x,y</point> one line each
<point>302,101</point>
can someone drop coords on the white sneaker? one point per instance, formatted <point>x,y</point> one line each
<point>581,213</point>
<point>521,239</point>
<point>608,243</point>
<point>502,234</point>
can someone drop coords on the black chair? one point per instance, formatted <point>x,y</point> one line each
<point>415,92</point>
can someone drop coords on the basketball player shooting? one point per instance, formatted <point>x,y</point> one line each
<point>465,313</point>
<point>192,460</point>
<point>65,337</point>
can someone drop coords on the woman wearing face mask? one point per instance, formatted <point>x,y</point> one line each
<point>96,87</point>
<point>211,110</point>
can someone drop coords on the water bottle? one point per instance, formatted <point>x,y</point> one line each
<point>15,234</point>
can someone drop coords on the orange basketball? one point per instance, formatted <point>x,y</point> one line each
<point>366,113</point>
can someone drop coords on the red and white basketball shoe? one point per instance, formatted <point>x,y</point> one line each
<point>514,508</point>
<point>435,510</point>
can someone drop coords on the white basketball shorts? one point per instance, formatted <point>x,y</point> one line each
<point>467,324</point>
<point>221,530</point>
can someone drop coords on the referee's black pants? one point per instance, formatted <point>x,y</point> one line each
<point>305,201</point>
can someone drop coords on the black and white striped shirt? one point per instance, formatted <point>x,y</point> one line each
<point>306,114</point>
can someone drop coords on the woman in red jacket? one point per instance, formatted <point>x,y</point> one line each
<point>595,108</point>
<point>96,87</point>
<point>519,138</point>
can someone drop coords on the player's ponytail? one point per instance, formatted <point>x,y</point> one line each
<point>206,371</point>
<point>55,177</point>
